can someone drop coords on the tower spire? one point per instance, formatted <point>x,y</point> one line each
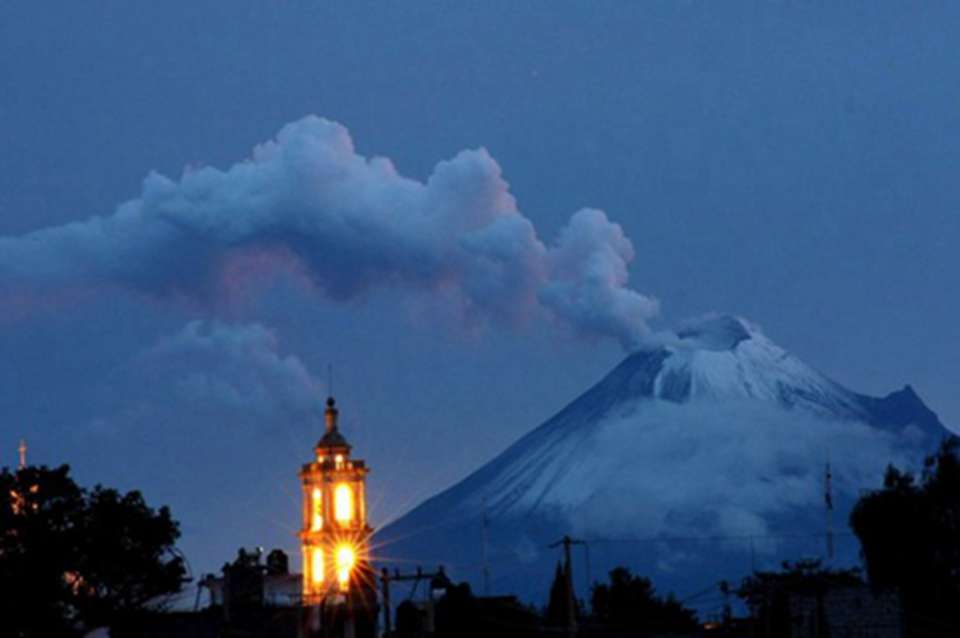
<point>22,449</point>
<point>331,414</point>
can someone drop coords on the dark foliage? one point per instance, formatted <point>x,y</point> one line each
<point>37,512</point>
<point>410,620</point>
<point>459,614</point>
<point>561,606</point>
<point>73,558</point>
<point>630,602</point>
<point>909,535</point>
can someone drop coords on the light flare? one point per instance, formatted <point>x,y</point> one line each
<point>346,558</point>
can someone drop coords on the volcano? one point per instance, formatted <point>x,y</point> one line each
<point>691,462</point>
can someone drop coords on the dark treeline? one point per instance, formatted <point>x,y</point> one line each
<point>72,559</point>
<point>909,532</point>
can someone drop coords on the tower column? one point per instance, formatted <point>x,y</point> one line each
<point>336,584</point>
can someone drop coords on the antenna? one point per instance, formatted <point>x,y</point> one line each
<point>22,449</point>
<point>586,552</point>
<point>486,567</point>
<point>329,379</point>
<point>828,503</point>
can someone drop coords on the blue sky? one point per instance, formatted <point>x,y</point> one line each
<point>791,163</point>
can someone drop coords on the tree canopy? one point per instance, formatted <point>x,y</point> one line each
<point>909,534</point>
<point>631,602</point>
<point>72,558</point>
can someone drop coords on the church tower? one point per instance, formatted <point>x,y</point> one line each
<point>335,535</point>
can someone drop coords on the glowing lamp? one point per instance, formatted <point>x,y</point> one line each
<point>346,557</point>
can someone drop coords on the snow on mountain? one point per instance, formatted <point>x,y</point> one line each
<point>719,432</point>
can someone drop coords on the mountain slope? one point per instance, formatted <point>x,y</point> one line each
<point>719,433</point>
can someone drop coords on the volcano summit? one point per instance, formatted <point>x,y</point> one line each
<point>689,463</point>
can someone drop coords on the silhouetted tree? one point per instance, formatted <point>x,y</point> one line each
<point>38,512</point>
<point>561,598</point>
<point>71,558</point>
<point>909,534</point>
<point>631,602</point>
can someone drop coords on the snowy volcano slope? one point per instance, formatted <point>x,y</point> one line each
<point>678,463</point>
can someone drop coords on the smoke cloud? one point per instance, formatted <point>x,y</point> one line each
<point>350,224</point>
<point>233,366</point>
<point>734,469</point>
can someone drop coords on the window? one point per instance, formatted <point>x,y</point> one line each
<point>316,566</point>
<point>316,518</point>
<point>343,504</point>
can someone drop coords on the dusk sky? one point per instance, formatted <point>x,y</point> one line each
<point>792,164</point>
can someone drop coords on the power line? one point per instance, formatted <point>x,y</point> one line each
<point>709,539</point>
<point>713,588</point>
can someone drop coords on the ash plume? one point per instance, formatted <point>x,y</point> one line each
<point>237,366</point>
<point>307,200</point>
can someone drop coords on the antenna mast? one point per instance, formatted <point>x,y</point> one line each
<point>828,502</point>
<point>486,567</point>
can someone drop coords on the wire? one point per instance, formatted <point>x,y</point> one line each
<point>707,590</point>
<point>708,539</point>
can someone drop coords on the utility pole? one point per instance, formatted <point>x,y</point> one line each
<point>828,502</point>
<point>439,576</point>
<point>385,592</point>
<point>589,575</point>
<point>483,539</point>
<point>727,613</point>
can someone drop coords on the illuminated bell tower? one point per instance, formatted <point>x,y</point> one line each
<point>335,535</point>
